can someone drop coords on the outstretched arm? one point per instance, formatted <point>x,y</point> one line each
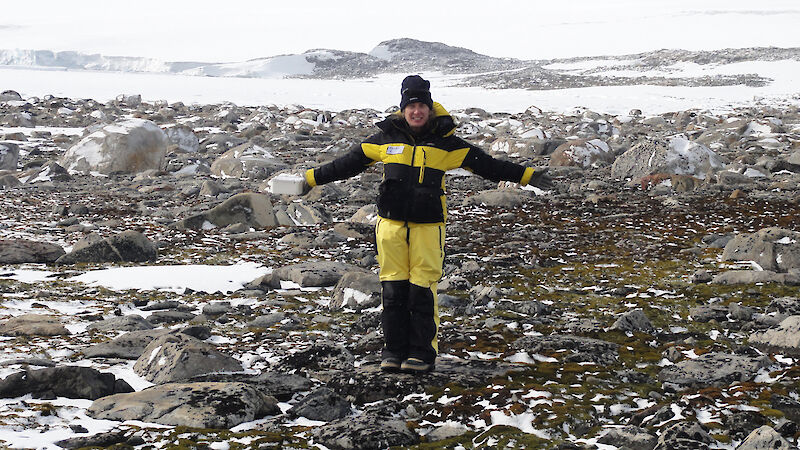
<point>481,163</point>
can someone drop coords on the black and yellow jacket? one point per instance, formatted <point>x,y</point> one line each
<point>414,166</point>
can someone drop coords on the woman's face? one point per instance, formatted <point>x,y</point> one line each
<point>416,114</point>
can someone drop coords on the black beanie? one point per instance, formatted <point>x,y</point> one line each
<point>415,89</point>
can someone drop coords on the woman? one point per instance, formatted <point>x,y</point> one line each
<point>416,146</point>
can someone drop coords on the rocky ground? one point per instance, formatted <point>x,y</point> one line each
<point>649,301</point>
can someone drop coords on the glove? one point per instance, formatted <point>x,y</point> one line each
<point>541,179</point>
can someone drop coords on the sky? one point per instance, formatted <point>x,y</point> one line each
<point>213,31</point>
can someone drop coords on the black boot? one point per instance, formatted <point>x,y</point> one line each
<point>395,323</point>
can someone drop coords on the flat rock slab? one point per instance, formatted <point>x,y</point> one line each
<point>67,381</point>
<point>33,325</point>
<point>713,369</point>
<point>369,384</point>
<point>310,274</point>
<point>196,405</point>
<point>128,346</point>
<point>784,338</point>
<point>571,348</point>
<point>21,251</point>
<point>128,246</point>
<point>366,431</point>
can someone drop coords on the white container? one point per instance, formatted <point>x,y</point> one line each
<point>286,184</point>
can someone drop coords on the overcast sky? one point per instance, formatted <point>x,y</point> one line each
<point>204,30</point>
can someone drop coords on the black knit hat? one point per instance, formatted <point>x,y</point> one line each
<point>415,89</point>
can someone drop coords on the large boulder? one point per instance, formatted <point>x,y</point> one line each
<point>678,156</point>
<point>195,405</point>
<point>33,325</point>
<point>785,338</point>
<point>774,249</point>
<point>20,251</point>
<point>128,246</point>
<point>713,369</point>
<point>356,290</point>
<point>582,153</point>
<point>765,438</point>
<point>128,346</point>
<point>9,156</point>
<point>66,381</point>
<point>131,146</point>
<point>247,161</point>
<point>365,431</point>
<point>175,357</point>
<point>249,209</point>
<point>183,139</point>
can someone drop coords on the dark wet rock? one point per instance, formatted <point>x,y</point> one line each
<point>631,437</point>
<point>131,146</point>
<point>742,423</point>
<point>196,405</point>
<point>706,313</point>
<point>578,349</point>
<point>368,384</point>
<point>169,317</point>
<point>322,404</point>
<point>175,357</point>
<point>251,209</point>
<point>33,325</point>
<point>635,320</point>
<point>21,251</point>
<point>128,246</point>
<point>106,439</point>
<point>787,405</point>
<point>684,436</point>
<point>765,438</point>
<point>364,432</point>
<point>129,322</point>
<point>356,290</point>
<point>321,356</point>
<point>65,381</point>
<point>128,346</point>
<point>785,338</point>
<point>713,369</point>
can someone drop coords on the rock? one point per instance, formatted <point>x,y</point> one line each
<point>773,249</point>
<point>183,138</point>
<point>195,405</point>
<point>128,246</point>
<point>33,325</point>
<point>250,209</point>
<point>312,273</point>
<point>356,290</point>
<point>131,146</point>
<point>765,438</point>
<point>128,346</point>
<point>787,405</point>
<point>631,437</point>
<point>21,251</point>
<point>129,322</point>
<point>302,214</point>
<point>742,423</point>
<point>267,320</point>
<point>101,440</point>
<point>321,356</point>
<point>365,431</point>
<point>445,432</point>
<point>66,381</point>
<point>500,198</point>
<point>9,156</point>
<point>322,404</point>
<point>247,161</point>
<point>634,320</point>
<point>684,436</point>
<point>578,349</point>
<point>10,96</point>
<point>713,369</point>
<point>755,276</point>
<point>582,153</point>
<point>9,181</point>
<point>784,338</point>
<point>678,156</point>
<point>175,357</point>
<point>707,313</point>
<point>47,172</point>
